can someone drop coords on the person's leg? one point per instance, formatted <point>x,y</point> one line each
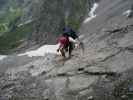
<point>63,53</point>
<point>70,49</point>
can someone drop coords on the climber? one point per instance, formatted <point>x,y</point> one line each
<point>73,38</point>
<point>64,45</point>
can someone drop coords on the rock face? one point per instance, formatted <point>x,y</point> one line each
<point>103,72</point>
<point>50,18</point>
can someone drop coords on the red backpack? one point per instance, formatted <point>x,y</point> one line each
<point>63,40</point>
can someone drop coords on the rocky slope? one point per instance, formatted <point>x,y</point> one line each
<point>103,72</point>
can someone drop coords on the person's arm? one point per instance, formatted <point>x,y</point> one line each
<point>72,40</point>
<point>59,47</point>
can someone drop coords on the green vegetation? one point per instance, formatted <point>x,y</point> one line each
<point>76,13</point>
<point>74,23</point>
<point>10,16</point>
<point>11,40</point>
<point>9,19</point>
<point>3,28</point>
<point>11,35</point>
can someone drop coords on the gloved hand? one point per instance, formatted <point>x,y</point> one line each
<point>77,45</point>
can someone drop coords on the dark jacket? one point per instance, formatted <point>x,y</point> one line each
<point>70,33</point>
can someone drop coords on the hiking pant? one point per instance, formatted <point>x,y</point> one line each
<point>70,48</point>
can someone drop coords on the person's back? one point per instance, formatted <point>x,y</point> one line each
<point>63,40</point>
<point>64,44</point>
<point>70,32</point>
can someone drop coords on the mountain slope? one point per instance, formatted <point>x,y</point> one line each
<point>107,13</point>
<point>103,72</point>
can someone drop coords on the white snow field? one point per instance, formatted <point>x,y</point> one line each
<point>42,51</point>
<point>2,57</point>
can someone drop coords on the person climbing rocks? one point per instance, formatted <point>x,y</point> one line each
<point>73,38</point>
<point>64,45</point>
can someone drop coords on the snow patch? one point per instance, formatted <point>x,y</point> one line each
<point>89,19</point>
<point>2,57</point>
<point>42,51</point>
<point>93,9</point>
<point>127,13</point>
<point>91,13</point>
